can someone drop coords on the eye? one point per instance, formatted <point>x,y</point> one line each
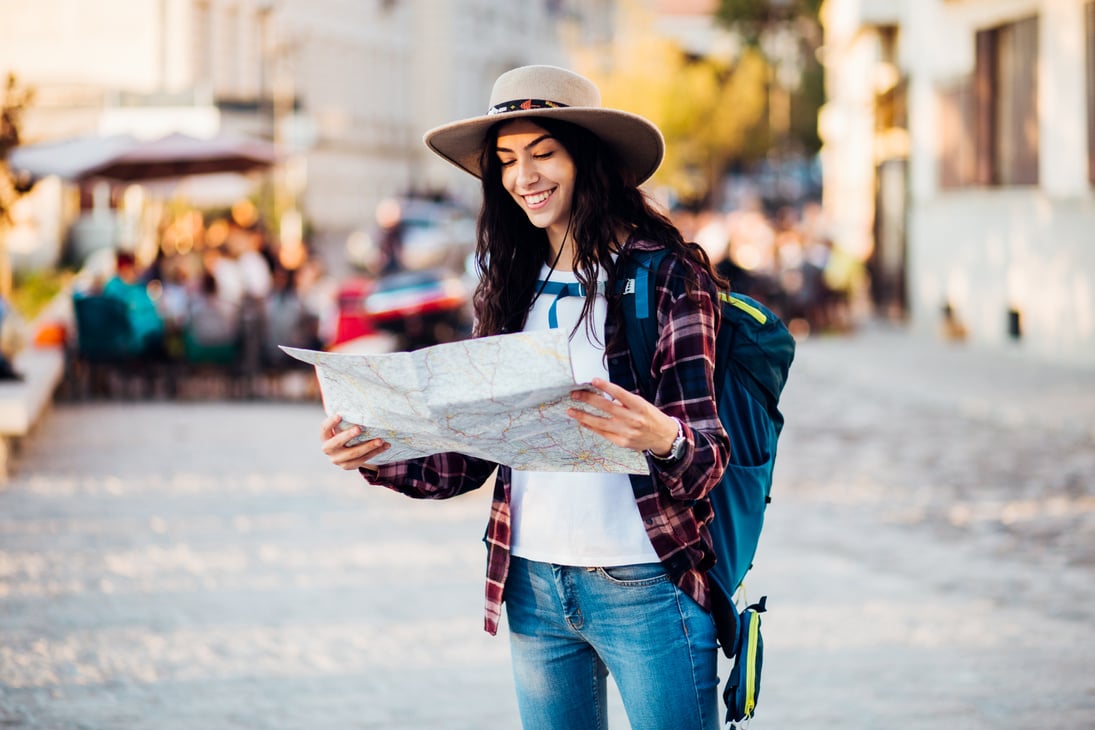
<point>505,163</point>
<point>544,155</point>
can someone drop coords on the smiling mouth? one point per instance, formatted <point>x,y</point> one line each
<point>538,199</point>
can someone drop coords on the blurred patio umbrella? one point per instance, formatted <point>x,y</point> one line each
<point>179,155</point>
<point>123,158</point>
<point>67,158</point>
<point>164,165</point>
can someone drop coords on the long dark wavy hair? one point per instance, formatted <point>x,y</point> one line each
<point>510,250</point>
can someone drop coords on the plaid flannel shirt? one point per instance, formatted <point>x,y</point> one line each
<point>672,499</point>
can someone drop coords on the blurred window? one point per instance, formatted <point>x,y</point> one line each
<point>891,89</point>
<point>989,119</point>
<point>957,154</point>
<point>1006,104</point>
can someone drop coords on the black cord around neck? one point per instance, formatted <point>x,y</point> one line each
<point>544,283</point>
<point>554,263</point>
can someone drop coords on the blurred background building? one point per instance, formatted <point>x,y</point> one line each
<point>928,162</point>
<point>344,88</point>
<point>959,159</point>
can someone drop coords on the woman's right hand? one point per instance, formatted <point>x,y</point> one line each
<point>349,457</point>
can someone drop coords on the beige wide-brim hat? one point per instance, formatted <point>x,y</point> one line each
<point>548,91</point>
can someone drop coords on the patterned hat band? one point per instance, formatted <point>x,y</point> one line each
<point>549,91</point>
<point>521,105</point>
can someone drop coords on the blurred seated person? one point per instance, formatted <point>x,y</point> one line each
<point>174,302</point>
<point>212,326</point>
<point>318,291</point>
<point>288,321</point>
<point>144,317</point>
<point>222,264</point>
<point>252,266</point>
<point>256,279</point>
<point>390,227</point>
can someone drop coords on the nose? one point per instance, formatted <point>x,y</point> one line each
<point>527,172</point>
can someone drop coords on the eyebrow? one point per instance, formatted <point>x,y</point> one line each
<point>530,145</point>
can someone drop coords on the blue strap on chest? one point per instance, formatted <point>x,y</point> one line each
<point>639,320</point>
<point>639,286</point>
<point>560,290</point>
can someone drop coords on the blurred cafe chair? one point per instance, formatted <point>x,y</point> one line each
<point>106,357</point>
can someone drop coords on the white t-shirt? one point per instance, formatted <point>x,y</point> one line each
<point>586,519</point>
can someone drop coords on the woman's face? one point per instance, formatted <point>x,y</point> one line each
<point>539,173</point>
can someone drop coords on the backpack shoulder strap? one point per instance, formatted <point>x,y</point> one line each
<point>640,312</point>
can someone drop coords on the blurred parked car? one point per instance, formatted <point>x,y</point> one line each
<point>413,309</point>
<point>353,321</point>
<point>422,308</point>
<point>414,234</point>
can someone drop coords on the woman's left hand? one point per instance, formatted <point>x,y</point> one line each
<point>625,419</point>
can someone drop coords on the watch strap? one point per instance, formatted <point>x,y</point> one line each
<point>676,450</point>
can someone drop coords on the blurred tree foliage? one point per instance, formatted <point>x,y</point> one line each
<point>751,18</point>
<point>16,100</point>
<point>12,106</point>
<point>768,25</point>
<point>711,111</point>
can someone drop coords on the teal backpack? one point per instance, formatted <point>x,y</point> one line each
<point>753,356</point>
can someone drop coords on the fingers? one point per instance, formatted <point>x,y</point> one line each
<point>617,393</point>
<point>622,417</point>
<point>330,426</point>
<point>610,428</point>
<point>335,446</point>
<point>605,407</point>
<point>613,400</point>
<point>612,419</point>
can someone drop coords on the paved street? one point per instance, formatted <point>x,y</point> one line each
<point>929,561</point>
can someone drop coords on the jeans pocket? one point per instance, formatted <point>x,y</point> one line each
<point>639,574</point>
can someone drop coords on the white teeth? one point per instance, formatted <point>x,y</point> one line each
<point>538,197</point>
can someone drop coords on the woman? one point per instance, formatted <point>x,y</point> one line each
<point>599,573</point>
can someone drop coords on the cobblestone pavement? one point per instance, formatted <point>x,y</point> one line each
<point>928,559</point>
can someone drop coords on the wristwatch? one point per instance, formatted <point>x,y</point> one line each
<point>676,451</point>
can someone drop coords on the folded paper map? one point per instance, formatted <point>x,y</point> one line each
<point>501,398</point>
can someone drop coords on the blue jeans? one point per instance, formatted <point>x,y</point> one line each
<point>570,627</point>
